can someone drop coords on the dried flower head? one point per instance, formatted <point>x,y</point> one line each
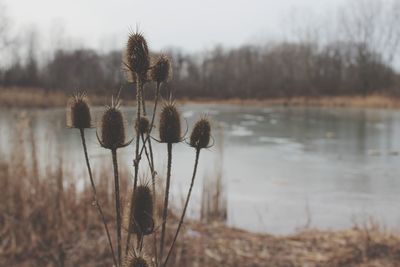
<point>200,137</point>
<point>137,54</point>
<point>112,128</point>
<point>135,261</point>
<point>79,111</point>
<point>161,69</point>
<point>170,124</point>
<point>141,220</point>
<point>142,126</point>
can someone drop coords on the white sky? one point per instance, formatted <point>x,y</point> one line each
<point>191,25</point>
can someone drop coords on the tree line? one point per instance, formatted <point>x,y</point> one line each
<point>355,57</point>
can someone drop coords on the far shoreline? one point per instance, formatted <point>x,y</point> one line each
<point>38,98</point>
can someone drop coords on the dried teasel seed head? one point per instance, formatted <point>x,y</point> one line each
<point>137,54</point>
<point>161,69</point>
<point>141,220</point>
<point>200,137</point>
<point>135,261</point>
<point>79,112</point>
<point>170,124</point>
<point>112,128</point>
<point>142,126</point>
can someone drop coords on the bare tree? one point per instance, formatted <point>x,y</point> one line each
<point>374,25</point>
<point>4,25</point>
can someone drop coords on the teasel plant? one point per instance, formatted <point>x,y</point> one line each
<point>113,137</point>
<point>137,62</point>
<point>143,214</point>
<point>80,118</point>
<point>139,216</point>
<point>170,133</point>
<point>199,139</point>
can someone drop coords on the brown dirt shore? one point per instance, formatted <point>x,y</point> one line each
<point>219,245</point>
<point>38,98</point>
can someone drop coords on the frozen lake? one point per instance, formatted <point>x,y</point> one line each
<point>283,167</point>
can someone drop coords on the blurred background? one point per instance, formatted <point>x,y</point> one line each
<point>220,50</point>
<point>303,97</point>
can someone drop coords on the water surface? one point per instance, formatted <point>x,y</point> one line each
<point>283,168</point>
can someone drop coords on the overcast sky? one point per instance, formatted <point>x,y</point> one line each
<point>191,25</point>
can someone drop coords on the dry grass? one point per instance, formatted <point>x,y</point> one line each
<point>371,101</point>
<point>217,245</point>
<point>47,223</point>
<point>15,97</point>
<point>36,97</point>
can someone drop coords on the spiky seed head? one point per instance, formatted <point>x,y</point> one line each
<point>135,261</point>
<point>112,128</point>
<point>141,220</point>
<point>79,112</point>
<point>161,69</point>
<point>142,126</point>
<point>170,124</point>
<point>200,137</point>
<point>137,54</point>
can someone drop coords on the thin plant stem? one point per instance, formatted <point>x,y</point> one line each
<point>117,202</point>
<point>137,157</point>
<point>155,106</point>
<point>143,100</point>
<point>147,155</point>
<point>135,163</point>
<point>153,173</point>
<point>95,198</point>
<point>157,96</point>
<point>165,209</point>
<point>185,207</point>
<point>151,161</point>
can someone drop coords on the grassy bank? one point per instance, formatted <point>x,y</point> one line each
<point>48,222</point>
<point>15,97</point>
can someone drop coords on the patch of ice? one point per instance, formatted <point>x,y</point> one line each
<point>274,140</point>
<point>240,131</point>
<point>253,117</point>
<point>273,121</point>
<point>248,123</point>
<point>212,112</point>
<point>188,114</point>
